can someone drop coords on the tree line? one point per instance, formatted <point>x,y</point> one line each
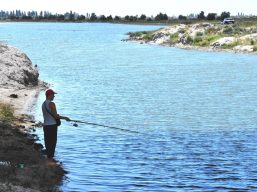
<point>71,16</point>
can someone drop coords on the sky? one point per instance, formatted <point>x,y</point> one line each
<point>134,7</point>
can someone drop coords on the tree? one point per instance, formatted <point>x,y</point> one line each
<point>60,17</point>
<point>117,18</point>
<point>181,17</point>
<point>201,15</point>
<point>143,17</point>
<point>161,16</point>
<point>211,16</point>
<point>93,17</point>
<point>127,18</point>
<point>81,17</point>
<point>109,18</point>
<point>149,19</point>
<point>224,15</point>
<point>102,18</point>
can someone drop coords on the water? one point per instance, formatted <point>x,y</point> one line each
<point>195,111</point>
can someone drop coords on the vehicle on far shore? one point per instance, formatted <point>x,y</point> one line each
<point>228,21</point>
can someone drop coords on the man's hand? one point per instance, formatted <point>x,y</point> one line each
<point>67,118</point>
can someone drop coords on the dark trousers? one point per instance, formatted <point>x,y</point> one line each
<point>50,136</point>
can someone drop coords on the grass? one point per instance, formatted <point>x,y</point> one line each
<point>231,45</point>
<point>174,38</point>
<point>6,112</point>
<point>148,37</point>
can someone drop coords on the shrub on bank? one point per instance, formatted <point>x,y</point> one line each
<point>197,40</point>
<point>148,36</point>
<point>189,39</point>
<point>231,45</point>
<point>174,38</point>
<point>6,112</point>
<point>212,30</point>
<point>227,30</point>
<point>199,34</point>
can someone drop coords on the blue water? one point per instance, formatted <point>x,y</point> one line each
<point>195,111</point>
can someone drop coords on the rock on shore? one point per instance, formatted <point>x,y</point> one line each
<point>16,69</point>
<point>19,83</point>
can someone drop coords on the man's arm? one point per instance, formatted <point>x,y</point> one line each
<point>54,112</point>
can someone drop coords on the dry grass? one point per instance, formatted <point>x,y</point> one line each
<point>6,112</point>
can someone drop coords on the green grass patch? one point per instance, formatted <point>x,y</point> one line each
<point>148,37</point>
<point>6,112</point>
<point>189,39</point>
<point>200,41</point>
<point>231,45</point>
<point>212,38</point>
<point>199,34</point>
<point>203,41</point>
<point>227,30</point>
<point>174,38</point>
<point>213,30</point>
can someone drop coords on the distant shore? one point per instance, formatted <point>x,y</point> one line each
<point>202,36</point>
<point>23,167</point>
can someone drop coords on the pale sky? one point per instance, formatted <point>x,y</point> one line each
<point>134,7</point>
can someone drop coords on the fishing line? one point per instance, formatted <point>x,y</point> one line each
<point>111,127</point>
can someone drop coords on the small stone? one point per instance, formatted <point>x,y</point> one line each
<point>14,96</point>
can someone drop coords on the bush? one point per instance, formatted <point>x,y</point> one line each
<point>189,39</point>
<point>231,45</point>
<point>204,43</point>
<point>212,38</point>
<point>148,36</point>
<point>6,112</point>
<point>255,48</point>
<point>252,42</point>
<point>174,38</point>
<point>227,30</point>
<point>197,40</point>
<point>198,34</point>
<point>212,30</point>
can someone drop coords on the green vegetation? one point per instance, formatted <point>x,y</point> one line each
<point>228,30</point>
<point>199,34</point>
<point>174,38</point>
<point>6,112</point>
<point>148,37</point>
<point>231,45</point>
<point>189,39</point>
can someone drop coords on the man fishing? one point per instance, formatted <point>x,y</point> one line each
<point>51,122</point>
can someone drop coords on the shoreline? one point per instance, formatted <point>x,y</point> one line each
<point>195,48</point>
<point>23,166</point>
<point>188,47</point>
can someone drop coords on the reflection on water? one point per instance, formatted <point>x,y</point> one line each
<point>195,111</point>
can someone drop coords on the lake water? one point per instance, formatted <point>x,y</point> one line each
<point>195,112</point>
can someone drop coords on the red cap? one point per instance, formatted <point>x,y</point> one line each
<point>50,92</point>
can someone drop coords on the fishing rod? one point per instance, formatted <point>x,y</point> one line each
<point>117,128</point>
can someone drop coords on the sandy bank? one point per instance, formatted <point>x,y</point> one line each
<point>23,167</point>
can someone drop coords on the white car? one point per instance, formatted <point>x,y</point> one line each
<point>228,21</point>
